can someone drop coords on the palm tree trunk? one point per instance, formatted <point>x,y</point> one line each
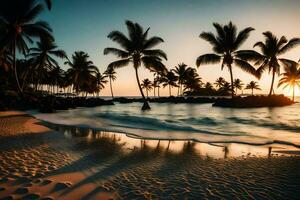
<point>178,91</point>
<point>272,84</point>
<point>293,93</point>
<point>147,93</point>
<point>15,66</point>
<point>231,77</point>
<point>158,92</point>
<point>145,105</point>
<point>111,90</point>
<point>252,91</point>
<point>170,90</point>
<point>154,91</point>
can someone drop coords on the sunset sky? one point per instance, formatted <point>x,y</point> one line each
<point>84,25</point>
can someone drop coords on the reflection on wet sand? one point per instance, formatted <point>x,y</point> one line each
<point>139,168</point>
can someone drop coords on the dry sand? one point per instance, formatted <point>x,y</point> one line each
<point>39,163</point>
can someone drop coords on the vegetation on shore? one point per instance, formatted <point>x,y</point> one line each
<point>30,60</point>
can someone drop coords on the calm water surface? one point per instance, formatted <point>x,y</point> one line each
<point>243,129</point>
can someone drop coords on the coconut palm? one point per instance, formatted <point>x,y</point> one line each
<point>290,77</point>
<point>208,86</point>
<point>43,56</point>
<point>100,82</point>
<point>137,49</point>
<point>147,85</point>
<point>18,20</point>
<point>170,80</point>
<point>225,45</point>
<point>271,49</point>
<point>81,70</point>
<point>111,74</point>
<point>253,85</point>
<point>192,81</point>
<point>219,82</point>
<point>238,85</point>
<point>181,70</point>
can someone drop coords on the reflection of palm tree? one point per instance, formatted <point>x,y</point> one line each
<point>238,84</point>
<point>137,49</point>
<point>170,80</point>
<point>111,74</point>
<point>291,77</point>
<point>147,85</point>
<point>225,45</point>
<point>219,82</point>
<point>271,49</point>
<point>17,18</point>
<point>253,85</point>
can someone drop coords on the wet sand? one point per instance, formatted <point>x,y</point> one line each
<point>37,162</point>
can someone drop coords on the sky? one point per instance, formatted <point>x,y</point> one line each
<point>84,25</point>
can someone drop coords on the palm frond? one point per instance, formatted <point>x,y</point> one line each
<point>245,66</point>
<point>118,52</point>
<point>156,52</point>
<point>208,59</point>
<point>291,44</point>
<point>119,63</point>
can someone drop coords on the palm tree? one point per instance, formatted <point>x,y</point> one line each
<point>181,70</point>
<point>43,55</point>
<point>169,80</point>
<point>81,71</point>
<point>253,85</point>
<point>291,77</point>
<point>18,20</point>
<point>271,49</point>
<point>208,86</point>
<point>111,74</point>
<point>192,81</point>
<point>225,45</point>
<point>100,81</point>
<point>238,84</point>
<point>137,49</point>
<point>147,85</point>
<point>219,82</point>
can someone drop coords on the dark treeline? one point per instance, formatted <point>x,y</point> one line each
<point>29,60</point>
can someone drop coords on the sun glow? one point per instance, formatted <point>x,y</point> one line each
<point>289,91</point>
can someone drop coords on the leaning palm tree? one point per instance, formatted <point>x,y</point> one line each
<point>271,49</point>
<point>220,82</point>
<point>81,70</point>
<point>170,80</point>
<point>238,85</point>
<point>44,54</point>
<point>225,45</point>
<point>291,77</point>
<point>147,85</point>
<point>18,20</point>
<point>137,49</point>
<point>253,85</point>
<point>111,74</point>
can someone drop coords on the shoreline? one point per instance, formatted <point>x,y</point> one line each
<point>90,164</point>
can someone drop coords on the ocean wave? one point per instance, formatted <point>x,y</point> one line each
<point>151,123</point>
<point>263,123</point>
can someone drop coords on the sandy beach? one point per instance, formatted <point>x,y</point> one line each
<point>39,163</point>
